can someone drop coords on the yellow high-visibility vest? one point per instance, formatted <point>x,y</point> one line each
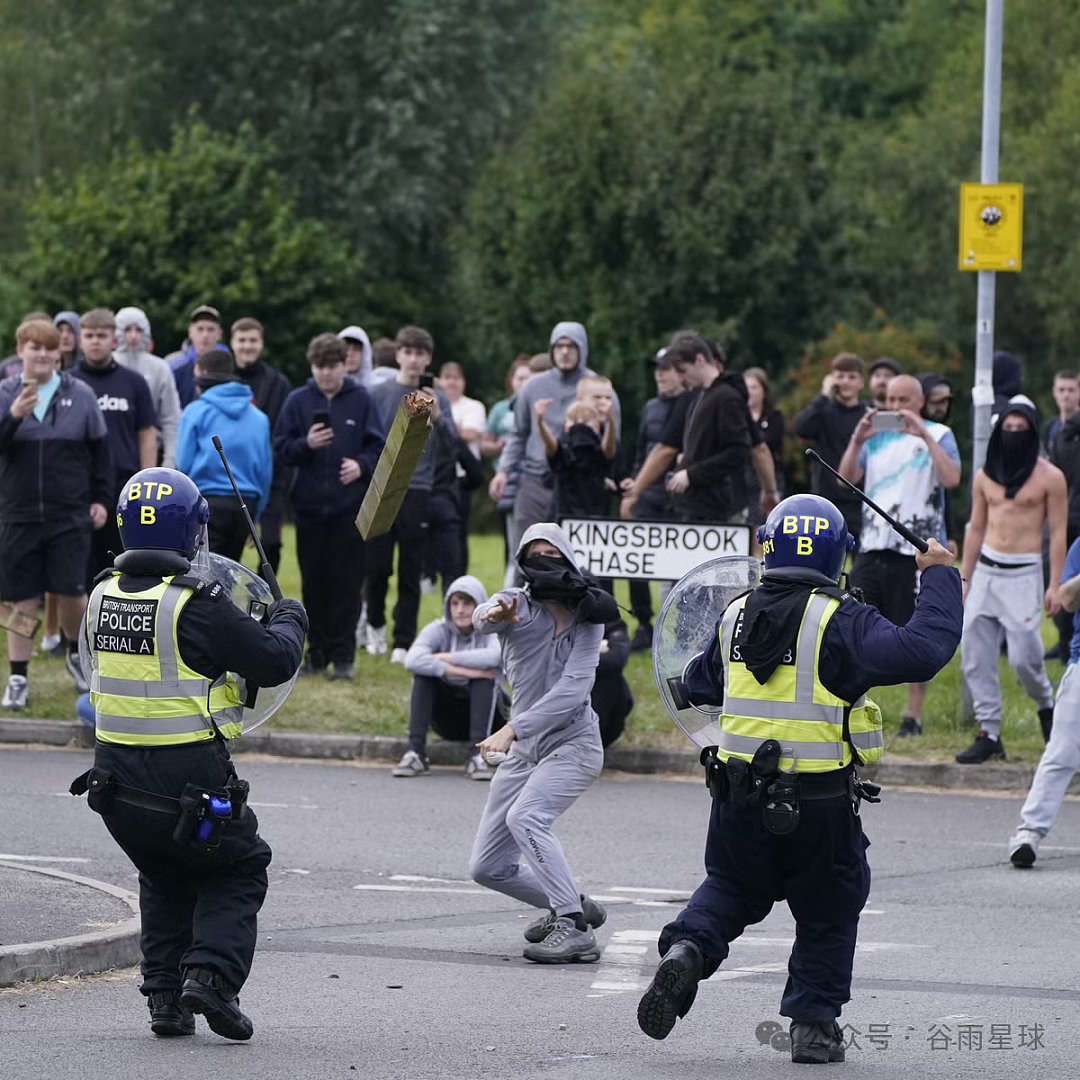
<point>793,706</point>
<point>144,693</point>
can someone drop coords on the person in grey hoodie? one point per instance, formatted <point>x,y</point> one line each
<point>550,751</point>
<point>454,672</point>
<point>132,351</point>
<point>524,448</point>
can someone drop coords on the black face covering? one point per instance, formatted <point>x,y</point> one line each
<point>582,437</point>
<point>1011,456</point>
<point>554,578</point>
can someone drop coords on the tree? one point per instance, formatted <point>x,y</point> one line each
<point>207,220</point>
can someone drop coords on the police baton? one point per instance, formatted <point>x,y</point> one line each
<point>903,530</point>
<point>264,566</point>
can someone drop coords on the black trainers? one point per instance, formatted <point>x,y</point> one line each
<point>909,726</point>
<point>168,1018</point>
<point>984,748</point>
<point>672,990</point>
<point>642,639</point>
<point>816,1044</point>
<point>1046,722</point>
<point>204,992</point>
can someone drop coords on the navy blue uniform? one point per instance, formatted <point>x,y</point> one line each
<point>820,868</point>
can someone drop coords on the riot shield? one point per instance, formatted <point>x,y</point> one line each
<point>686,627</point>
<point>251,595</point>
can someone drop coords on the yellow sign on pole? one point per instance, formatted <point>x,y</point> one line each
<point>991,226</point>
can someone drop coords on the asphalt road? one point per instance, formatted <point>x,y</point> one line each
<point>377,957</point>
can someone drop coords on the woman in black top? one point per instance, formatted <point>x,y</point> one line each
<point>770,424</point>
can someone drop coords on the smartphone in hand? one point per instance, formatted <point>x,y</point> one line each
<point>886,421</point>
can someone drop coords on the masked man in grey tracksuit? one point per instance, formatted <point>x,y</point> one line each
<point>551,632</point>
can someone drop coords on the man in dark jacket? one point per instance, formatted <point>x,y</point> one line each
<point>269,389</point>
<point>55,480</point>
<point>827,422</point>
<point>330,432</point>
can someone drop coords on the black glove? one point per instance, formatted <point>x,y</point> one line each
<point>285,606</point>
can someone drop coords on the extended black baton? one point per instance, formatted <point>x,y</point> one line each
<point>264,566</point>
<point>903,530</point>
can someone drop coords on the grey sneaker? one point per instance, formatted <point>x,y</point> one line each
<point>16,694</point>
<point>565,944</point>
<point>538,929</point>
<point>1023,848</point>
<point>376,640</point>
<point>412,764</point>
<point>476,768</point>
<point>74,666</point>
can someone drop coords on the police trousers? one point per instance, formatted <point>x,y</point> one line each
<point>199,906</point>
<point>820,869</point>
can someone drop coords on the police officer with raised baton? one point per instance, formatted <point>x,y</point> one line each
<point>174,663</point>
<point>789,666</point>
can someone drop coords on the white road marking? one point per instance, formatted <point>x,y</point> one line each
<point>657,892</point>
<point>42,858</point>
<point>283,806</point>
<point>420,877</point>
<point>420,888</point>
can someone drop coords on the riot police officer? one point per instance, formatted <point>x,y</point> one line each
<point>173,660</point>
<point>790,665</point>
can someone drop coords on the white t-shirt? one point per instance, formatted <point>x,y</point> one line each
<point>899,476</point>
<point>470,413</point>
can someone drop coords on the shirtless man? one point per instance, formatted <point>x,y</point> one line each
<point>1014,495</point>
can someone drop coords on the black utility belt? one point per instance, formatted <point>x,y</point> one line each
<point>997,565</point>
<point>760,784</point>
<point>202,815</point>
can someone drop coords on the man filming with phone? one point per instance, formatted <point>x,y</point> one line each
<point>904,463</point>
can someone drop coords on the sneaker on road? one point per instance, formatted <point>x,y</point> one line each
<point>984,748</point>
<point>16,694</point>
<point>412,764</point>
<point>565,944</point>
<point>1023,848</point>
<point>909,726</point>
<point>398,656</point>
<point>376,640</point>
<point>538,929</point>
<point>74,666</point>
<point>476,768</point>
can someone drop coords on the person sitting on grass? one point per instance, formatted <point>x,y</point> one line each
<point>454,673</point>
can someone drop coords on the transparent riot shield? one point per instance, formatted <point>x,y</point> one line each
<point>685,628</point>
<point>251,595</point>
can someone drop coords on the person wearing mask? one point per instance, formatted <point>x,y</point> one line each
<point>550,751</point>
<point>1014,496</point>
<point>789,666</point>
<point>132,351</point>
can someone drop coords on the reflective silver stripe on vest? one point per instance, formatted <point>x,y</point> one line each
<point>867,740</point>
<point>106,684</point>
<point>804,707</point>
<point>813,751</point>
<point>151,729</point>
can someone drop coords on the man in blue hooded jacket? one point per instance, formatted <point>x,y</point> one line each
<point>224,408</point>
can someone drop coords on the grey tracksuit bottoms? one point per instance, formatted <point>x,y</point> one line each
<point>1010,601</point>
<point>523,802</point>
<point>1060,759</point>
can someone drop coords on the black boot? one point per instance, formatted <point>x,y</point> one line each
<point>672,991</point>
<point>167,1016</point>
<point>205,992</point>
<point>816,1043</point>
<point>984,748</point>
<point>1046,722</point>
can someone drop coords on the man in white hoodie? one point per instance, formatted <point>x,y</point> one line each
<point>132,351</point>
<point>454,672</point>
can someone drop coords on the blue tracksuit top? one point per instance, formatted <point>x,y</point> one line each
<point>226,410</point>
<point>862,649</point>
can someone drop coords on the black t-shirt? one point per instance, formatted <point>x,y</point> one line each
<point>124,398</point>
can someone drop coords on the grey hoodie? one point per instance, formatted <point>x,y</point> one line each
<point>443,636</point>
<point>551,675</point>
<point>157,375</point>
<point>524,448</point>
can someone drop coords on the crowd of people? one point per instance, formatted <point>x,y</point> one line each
<point>87,401</point>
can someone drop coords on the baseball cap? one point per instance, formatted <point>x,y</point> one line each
<point>660,359</point>
<point>886,362</point>
<point>205,311</point>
